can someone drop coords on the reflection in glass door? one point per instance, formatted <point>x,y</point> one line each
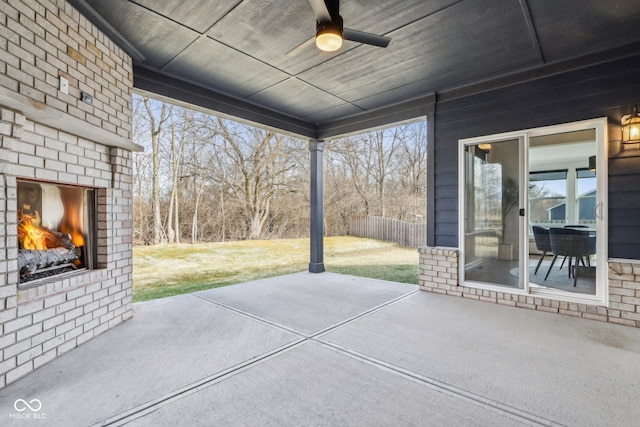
<point>491,213</point>
<point>562,212</point>
<point>532,211</point>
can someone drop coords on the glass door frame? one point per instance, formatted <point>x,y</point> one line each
<point>602,289</point>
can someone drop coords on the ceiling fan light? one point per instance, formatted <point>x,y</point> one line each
<point>329,35</point>
<point>328,42</point>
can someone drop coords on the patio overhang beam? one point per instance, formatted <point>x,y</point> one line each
<point>394,114</point>
<point>162,85</point>
<point>165,87</point>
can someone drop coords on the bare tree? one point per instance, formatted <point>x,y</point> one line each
<point>413,165</point>
<point>380,172</point>
<point>155,128</point>
<point>179,135</point>
<point>384,144</point>
<point>234,181</point>
<point>142,215</point>
<point>357,160</point>
<point>200,179</point>
<point>259,169</point>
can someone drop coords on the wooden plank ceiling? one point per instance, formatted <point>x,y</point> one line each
<point>233,56</point>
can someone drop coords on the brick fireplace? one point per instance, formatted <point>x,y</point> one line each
<point>56,230</point>
<point>55,147</point>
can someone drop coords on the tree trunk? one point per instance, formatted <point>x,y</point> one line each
<point>170,231</point>
<point>155,132</point>
<point>224,216</point>
<point>157,223</point>
<point>194,220</point>
<point>177,219</point>
<point>255,228</point>
<point>383,211</point>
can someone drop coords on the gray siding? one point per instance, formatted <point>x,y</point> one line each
<point>605,90</point>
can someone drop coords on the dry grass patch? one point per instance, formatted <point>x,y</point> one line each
<point>166,270</point>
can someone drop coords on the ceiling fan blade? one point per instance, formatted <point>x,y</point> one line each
<point>365,38</point>
<point>302,46</point>
<point>320,10</point>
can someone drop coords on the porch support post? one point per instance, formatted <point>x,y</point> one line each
<point>316,148</point>
<point>431,179</point>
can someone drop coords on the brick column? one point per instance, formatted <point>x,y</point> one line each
<point>624,292</point>
<point>121,236</point>
<point>439,270</point>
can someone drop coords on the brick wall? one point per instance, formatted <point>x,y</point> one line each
<point>40,41</point>
<point>439,273</point>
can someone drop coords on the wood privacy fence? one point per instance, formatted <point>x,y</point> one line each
<point>390,230</point>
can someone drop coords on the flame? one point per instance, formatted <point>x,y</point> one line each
<point>71,227</point>
<point>32,236</point>
<point>72,222</point>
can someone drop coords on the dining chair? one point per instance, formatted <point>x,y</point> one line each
<point>572,226</point>
<point>573,244</point>
<point>541,236</point>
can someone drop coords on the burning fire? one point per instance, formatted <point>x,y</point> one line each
<point>32,236</point>
<point>72,226</point>
<point>72,222</point>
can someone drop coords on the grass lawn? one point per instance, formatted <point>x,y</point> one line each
<point>165,270</point>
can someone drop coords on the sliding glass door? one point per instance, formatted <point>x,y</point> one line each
<point>491,207</point>
<point>563,196</point>
<point>532,211</point>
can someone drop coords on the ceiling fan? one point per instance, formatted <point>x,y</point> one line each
<point>330,31</point>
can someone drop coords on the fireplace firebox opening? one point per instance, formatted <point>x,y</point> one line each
<point>56,230</point>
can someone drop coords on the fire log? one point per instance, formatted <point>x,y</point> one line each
<point>29,261</point>
<point>33,236</point>
<point>60,240</point>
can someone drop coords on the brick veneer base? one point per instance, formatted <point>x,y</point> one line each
<point>439,273</point>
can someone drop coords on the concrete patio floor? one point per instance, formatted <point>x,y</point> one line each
<point>328,349</point>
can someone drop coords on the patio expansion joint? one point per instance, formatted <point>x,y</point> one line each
<point>252,316</point>
<point>152,405</point>
<point>316,333</point>
<point>516,414</point>
<point>140,411</point>
<point>361,315</point>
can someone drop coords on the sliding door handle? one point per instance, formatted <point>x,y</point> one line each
<point>597,208</point>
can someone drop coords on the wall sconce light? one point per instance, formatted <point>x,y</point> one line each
<point>592,163</point>
<point>484,147</point>
<point>631,127</point>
